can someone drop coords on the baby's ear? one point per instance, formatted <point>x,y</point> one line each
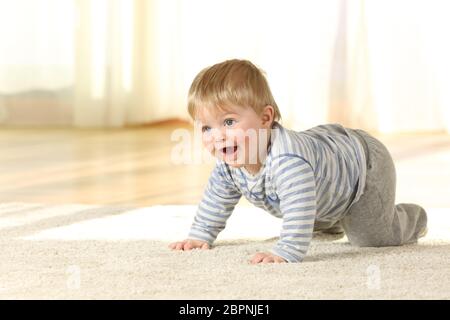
<point>267,115</point>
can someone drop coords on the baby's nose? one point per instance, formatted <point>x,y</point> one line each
<point>219,135</point>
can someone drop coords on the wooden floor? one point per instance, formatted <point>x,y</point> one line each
<point>129,167</point>
<point>136,167</point>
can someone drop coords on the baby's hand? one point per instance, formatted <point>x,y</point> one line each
<point>189,244</point>
<point>265,257</point>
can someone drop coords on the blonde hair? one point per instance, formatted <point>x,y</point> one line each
<point>232,82</point>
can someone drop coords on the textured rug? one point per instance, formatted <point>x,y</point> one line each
<point>79,251</point>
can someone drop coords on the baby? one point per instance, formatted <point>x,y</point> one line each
<point>327,178</point>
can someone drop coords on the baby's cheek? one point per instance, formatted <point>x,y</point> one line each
<point>236,136</point>
<point>253,147</point>
<point>250,143</point>
<point>206,138</point>
<point>208,145</point>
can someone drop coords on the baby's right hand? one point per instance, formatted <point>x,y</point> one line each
<point>189,244</point>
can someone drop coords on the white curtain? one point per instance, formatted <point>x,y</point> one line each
<point>374,64</point>
<point>85,63</point>
<point>36,60</point>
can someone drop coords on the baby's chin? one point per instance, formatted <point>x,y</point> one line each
<point>234,164</point>
<point>237,164</point>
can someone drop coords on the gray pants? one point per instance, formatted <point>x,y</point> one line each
<point>375,220</point>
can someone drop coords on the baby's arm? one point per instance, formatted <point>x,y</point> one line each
<point>295,186</point>
<point>218,202</point>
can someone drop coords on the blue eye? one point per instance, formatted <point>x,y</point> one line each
<point>206,129</point>
<point>229,122</point>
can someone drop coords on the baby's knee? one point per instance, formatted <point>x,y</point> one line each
<point>367,240</point>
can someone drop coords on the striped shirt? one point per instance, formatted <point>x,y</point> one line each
<point>307,176</point>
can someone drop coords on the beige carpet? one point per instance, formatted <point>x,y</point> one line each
<point>95,252</point>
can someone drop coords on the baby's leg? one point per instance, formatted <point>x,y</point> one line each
<point>374,220</point>
<point>331,227</point>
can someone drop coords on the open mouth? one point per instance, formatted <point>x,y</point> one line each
<point>229,150</point>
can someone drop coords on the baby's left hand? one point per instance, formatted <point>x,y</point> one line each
<point>265,257</point>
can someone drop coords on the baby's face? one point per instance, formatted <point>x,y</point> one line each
<point>235,135</point>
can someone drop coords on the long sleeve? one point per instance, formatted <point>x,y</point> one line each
<point>218,202</point>
<point>296,189</point>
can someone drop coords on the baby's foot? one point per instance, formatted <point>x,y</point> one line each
<point>423,233</point>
